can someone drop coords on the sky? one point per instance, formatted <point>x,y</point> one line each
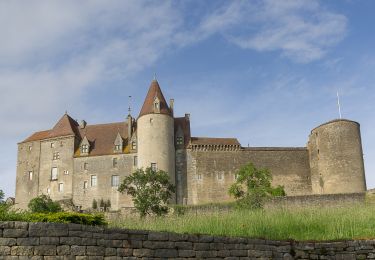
<point>264,71</point>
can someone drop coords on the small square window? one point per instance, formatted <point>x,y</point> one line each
<point>134,145</point>
<point>93,180</point>
<point>66,172</point>
<point>52,145</point>
<point>220,176</point>
<point>115,180</point>
<point>154,167</point>
<point>199,176</point>
<point>117,147</point>
<point>61,187</point>
<point>135,161</point>
<point>180,140</point>
<point>56,156</point>
<point>30,147</point>
<point>85,185</point>
<point>85,166</point>
<point>30,175</point>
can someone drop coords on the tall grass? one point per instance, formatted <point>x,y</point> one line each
<point>352,222</point>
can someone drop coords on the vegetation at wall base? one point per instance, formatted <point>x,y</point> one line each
<point>43,204</point>
<point>312,223</point>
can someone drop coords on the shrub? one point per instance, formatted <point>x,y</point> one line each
<point>94,204</point>
<point>257,184</point>
<point>2,196</point>
<point>43,204</point>
<point>150,191</point>
<point>69,217</point>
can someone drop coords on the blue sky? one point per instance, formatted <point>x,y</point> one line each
<point>263,71</point>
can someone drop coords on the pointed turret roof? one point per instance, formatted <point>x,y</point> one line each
<point>148,105</point>
<point>65,126</point>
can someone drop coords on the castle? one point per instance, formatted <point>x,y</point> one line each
<point>82,162</point>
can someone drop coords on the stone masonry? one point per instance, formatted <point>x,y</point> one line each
<point>19,240</point>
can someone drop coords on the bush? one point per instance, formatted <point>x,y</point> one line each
<point>43,204</point>
<point>69,217</point>
<point>2,196</point>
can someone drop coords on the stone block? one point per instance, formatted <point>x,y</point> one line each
<point>178,237</point>
<point>63,250</point>
<point>95,250</point>
<point>74,227</point>
<point>48,229</point>
<point>158,236</point>
<point>184,245</point>
<point>202,246</point>
<point>88,241</point>
<point>15,233</point>
<point>110,251</point>
<point>22,250</point>
<point>158,244</point>
<point>28,241</point>
<point>143,252</point>
<point>45,250</point>
<point>6,224</point>
<point>110,243</point>
<point>4,250</point>
<point>132,243</point>
<point>124,252</point>
<point>112,258</point>
<point>75,233</point>
<point>8,241</point>
<point>166,253</point>
<point>216,246</point>
<point>205,254</point>
<point>77,250</point>
<point>70,240</point>
<point>205,239</point>
<point>30,257</point>
<point>186,253</point>
<point>223,253</point>
<point>49,241</point>
<point>58,257</point>
<point>237,252</point>
<point>138,237</point>
<point>94,229</point>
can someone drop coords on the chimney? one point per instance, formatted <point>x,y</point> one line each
<point>171,105</point>
<point>187,117</point>
<point>130,126</point>
<point>83,124</point>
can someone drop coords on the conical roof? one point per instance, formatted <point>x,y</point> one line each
<point>65,126</point>
<point>148,105</point>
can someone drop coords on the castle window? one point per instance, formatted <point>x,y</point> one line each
<point>180,140</point>
<point>154,167</point>
<point>135,161</point>
<point>220,176</point>
<point>115,180</point>
<point>56,156</point>
<point>52,145</point>
<point>85,148</point>
<point>114,162</point>
<point>66,172</point>
<point>54,174</point>
<point>48,190</point>
<point>30,175</point>
<point>117,147</point>
<point>85,166</point>
<point>199,176</point>
<point>30,147</point>
<point>85,185</point>
<point>61,187</point>
<point>93,180</point>
<point>134,145</point>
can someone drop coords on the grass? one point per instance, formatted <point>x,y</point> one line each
<point>321,224</point>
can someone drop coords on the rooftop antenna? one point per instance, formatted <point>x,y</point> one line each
<point>130,109</point>
<point>338,104</point>
<point>154,76</point>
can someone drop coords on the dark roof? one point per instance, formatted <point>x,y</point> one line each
<point>214,141</point>
<point>148,105</point>
<point>184,123</point>
<point>102,137</point>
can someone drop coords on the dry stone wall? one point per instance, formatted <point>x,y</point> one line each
<point>19,240</point>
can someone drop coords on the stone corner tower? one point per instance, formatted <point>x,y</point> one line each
<point>336,158</point>
<point>155,133</point>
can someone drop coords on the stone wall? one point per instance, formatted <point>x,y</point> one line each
<point>19,240</point>
<point>210,173</point>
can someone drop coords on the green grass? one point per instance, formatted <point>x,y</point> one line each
<point>350,222</point>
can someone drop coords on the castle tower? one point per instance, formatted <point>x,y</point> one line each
<point>155,133</point>
<point>336,158</point>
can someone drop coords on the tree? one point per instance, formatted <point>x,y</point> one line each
<point>94,204</point>
<point>43,204</point>
<point>253,186</point>
<point>2,196</point>
<point>150,191</point>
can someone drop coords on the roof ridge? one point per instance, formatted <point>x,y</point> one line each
<point>148,105</point>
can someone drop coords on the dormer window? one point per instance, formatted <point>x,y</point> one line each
<point>134,145</point>
<point>117,147</point>
<point>156,105</point>
<point>118,144</point>
<point>180,140</point>
<point>85,148</point>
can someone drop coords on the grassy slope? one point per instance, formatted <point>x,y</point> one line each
<point>354,222</point>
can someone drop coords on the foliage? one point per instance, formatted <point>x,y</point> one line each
<point>1,196</point>
<point>309,223</point>
<point>94,204</point>
<point>257,184</point>
<point>43,204</point>
<point>150,191</point>
<point>179,210</point>
<point>69,217</point>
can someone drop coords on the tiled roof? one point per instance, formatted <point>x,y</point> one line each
<point>37,136</point>
<point>65,126</point>
<point>214,141</point>
<point>148,105</point>
<point>102,137</point>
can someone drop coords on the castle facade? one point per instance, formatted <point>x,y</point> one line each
<point>82,162</point>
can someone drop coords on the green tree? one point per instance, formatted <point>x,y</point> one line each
<point>43,204</point>
<point>253,187</point>
<point>150,191</point>
<point>94,204</point>
<point>2,196</point>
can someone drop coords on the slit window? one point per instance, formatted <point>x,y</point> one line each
<point>61,187</point>
<point>30,175</point>
<point>54,174</point>
<point>135,161</point>
<point>114,162</point>
<point>85,184</point>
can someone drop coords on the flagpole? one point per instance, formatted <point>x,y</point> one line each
<point>338,104</point>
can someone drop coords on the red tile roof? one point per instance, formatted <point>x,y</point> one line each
<point>148,105</point>
<point>213,141</point>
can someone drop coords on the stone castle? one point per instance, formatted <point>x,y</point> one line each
<point>82,162</point>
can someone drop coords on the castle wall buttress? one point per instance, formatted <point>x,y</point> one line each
<point>210,173</point>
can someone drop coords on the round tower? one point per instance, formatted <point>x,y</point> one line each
<point>155,133</point>
<point>336,158</point>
